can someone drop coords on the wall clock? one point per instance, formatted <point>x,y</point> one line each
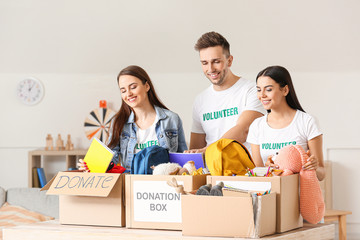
<point>30,91</point>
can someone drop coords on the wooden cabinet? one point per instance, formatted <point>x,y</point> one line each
<point>37,156</point>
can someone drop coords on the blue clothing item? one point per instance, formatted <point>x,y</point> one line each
<point>147,158</point>
<point>169,132</point>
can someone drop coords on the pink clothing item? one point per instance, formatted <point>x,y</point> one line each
<point>290,159</point>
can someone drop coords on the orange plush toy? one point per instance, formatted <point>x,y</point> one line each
<point>290,159</point>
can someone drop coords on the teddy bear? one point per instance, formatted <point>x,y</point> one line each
<point>174,168</point>
<point>290,159</point>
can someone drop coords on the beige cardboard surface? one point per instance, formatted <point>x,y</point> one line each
<point>287,196</point>
<point>224,216</point>
<point>81,184</point>
<point>231,193</point>
<point>104,209</point>
<point>267,212</point>
<point>152,204</point>
<point>289,202</point>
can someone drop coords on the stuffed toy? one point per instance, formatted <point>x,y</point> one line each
<point>174,169</point>
<point>208,189</point>
<point>290,159</point>
<point>166,169</point>
<point>188,168</point>
<point>178,188</point>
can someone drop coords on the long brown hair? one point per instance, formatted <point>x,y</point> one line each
<point>122,116</point>
<point>282,76</point>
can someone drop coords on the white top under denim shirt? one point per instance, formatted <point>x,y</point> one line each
<point>169,132</point>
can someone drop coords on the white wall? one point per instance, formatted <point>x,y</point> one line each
<point>76,48</point>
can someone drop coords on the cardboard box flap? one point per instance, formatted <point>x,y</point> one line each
<point>81,184</point>
<point>287,195</point>
<point>208,215</point>
<point>265,213</point>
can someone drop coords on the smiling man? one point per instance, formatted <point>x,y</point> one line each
<point>229,105</point>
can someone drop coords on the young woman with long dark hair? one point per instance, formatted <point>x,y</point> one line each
<point>143,120</point>
<point>286,122</point>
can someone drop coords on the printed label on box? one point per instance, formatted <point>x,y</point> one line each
<point>156,201</point>
<point>248,185</point>
<point>82,184</point>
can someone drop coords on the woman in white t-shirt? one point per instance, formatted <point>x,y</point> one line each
<point>285,124</point>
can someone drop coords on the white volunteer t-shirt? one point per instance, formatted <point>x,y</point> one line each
<point>302,129</point>
<point>215,112</point>
<point>146,138</point>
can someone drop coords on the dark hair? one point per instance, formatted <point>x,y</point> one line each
<point>282,77</point>
<point>213,39</point>
<point>122,116</point>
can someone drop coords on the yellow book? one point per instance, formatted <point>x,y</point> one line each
<point>98,156</point>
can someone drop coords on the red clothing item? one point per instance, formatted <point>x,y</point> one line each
<point>116,169</point>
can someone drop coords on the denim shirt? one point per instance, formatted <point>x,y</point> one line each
<point>169,132</point>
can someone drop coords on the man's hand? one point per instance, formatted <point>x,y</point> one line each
<point>240,131</point>
<point>200,150</point>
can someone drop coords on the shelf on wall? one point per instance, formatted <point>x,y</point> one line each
<point>36,157</point>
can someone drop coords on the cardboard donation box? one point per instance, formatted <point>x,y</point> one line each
<point>151,203</point>
<point>229,216</point>
<point>89,198</point>
<point>287,195</point>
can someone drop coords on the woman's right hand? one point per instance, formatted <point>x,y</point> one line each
<point>82,166</point>
<point>271,163</point>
